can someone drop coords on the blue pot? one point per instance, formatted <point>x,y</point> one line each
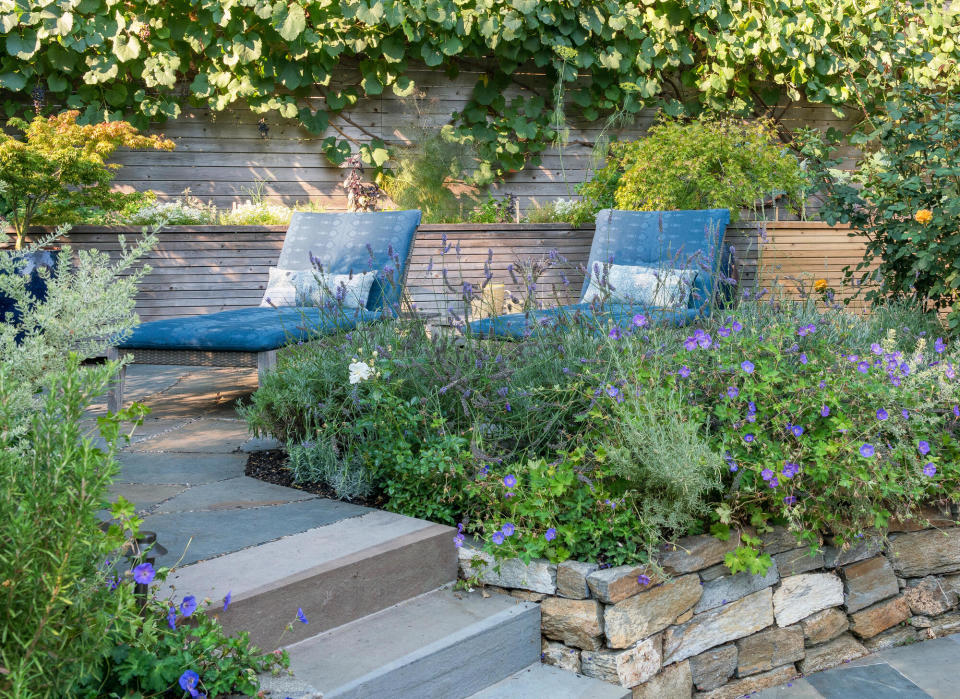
<point>29,265</point>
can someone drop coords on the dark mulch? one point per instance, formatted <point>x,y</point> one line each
<point>271,467</point>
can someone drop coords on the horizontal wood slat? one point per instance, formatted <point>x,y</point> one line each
<point>205,269</point>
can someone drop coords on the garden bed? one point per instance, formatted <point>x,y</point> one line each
<point>695,626</point>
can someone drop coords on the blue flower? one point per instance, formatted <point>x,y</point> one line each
<point>144,573</point>
<point>805,330</point>
<point>301,617</point>
<point>882,414</point>
<point>797,430</point>
<point>930,470</point>
<point>863,367</point>
<point>615,332</point>
<point>876,348</point>
<point>825,411</point>
<point>550,534</point>
<point>766,474</point>
<point>724,332</point>
<point>790,469</point>
<point>939,345</point>
<point>737,327</point>
<point>747,366</point>
<point>497,537</point>
<point>640,320</point>
<point>867,450</point>
<point>643,579</point>
<point>172,617</point>
<point>790,500</point>
<point>684,371</point>
<point>189,605</point>
<point>507,529</point>
<point>509,480</point>
<point>613,391</point>
<point>226,601</point>
<point>751,407</point>
<point>733,391</point>
<point>748,438</point>
<point>923,447</point>
<point>803,357</point>
<point>188,682</point>
<point>905,413</point>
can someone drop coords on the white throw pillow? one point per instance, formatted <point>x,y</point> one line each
<point>288,287</point>
<point>652,287</point>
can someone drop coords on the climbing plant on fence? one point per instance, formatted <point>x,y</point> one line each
<point>132,59</point>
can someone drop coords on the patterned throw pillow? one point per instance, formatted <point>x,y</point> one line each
<point>288,287</point>
<point>651,287</point>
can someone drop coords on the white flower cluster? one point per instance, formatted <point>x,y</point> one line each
<point>360,371</point>
<point>173,213</point>
<point>251,213</point>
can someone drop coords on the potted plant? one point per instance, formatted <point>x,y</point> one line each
<point>57,166</point>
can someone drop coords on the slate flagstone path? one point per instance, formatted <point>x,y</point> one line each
<point>184,468</point>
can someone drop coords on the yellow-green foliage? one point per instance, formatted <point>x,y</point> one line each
<point>702,164</point>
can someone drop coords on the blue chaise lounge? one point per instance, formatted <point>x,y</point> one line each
<point>659,241</point>
<point>342,243</point>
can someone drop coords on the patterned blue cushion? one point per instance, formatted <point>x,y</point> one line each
<point>583,315</point>
<point>342,243</point>
<point>354,242</point>
<point>244,329</point>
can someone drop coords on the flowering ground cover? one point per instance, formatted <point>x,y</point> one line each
<point>601,442</point>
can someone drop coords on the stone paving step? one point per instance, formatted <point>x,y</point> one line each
<point>336,573</point>
<point>442,644</point>
<point>551,682</point>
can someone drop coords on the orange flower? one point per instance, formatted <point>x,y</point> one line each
<point>923,216</point>
<point>820,285</point>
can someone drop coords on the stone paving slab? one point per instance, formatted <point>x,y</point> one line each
<point>190,469</point>
<point>216,532</point>
<point>925,670</point>
<point>145,496</point>
<point>206,435</point>
<point>231,494</point>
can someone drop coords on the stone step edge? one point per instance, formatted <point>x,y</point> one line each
<point>466,632</point>
<point>556,674</point>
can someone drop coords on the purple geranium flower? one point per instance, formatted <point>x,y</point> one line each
<point>507,529</point>
<point>724,331</point>
<point>640,320</point>
<point>189,605</point>
<point>863,367</point>
<point>825,411</point>
<point>736,327</point>
<point>497,537</point>
<point>790,500</point>
<point>509,480</point>
<point>144,573</point>
<point>790,469</point>
<point>189,681</point>
<point>867,450</point>
<point>876,349</point>
<point>797,430</point>
<point>684,371</point>
<point>930,470</point>
<point>923,447</point>
<point>882,414</point>
<point>747,366</point>
<point>172,617</point>
<point>766,474</point>
<point>615,332</point>
<point>550,534</point>
<point>803,358</point>
<point>226,601</point>
<point>301,617</point>
<point>643,580</point>
<point>733,391</point>
<point>939,345</point>
<point>748,438</point>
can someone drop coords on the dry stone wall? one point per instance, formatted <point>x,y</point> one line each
<point>697,631</point>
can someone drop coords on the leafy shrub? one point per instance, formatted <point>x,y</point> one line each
<point>56,606</point>
<point>425,171</point>
<point>89,303</point>
<point>256,213</point>
<point>60,166</point>
<point>904,196</point>
<point>313,462</point>
<point>559,211</point>
<point>702,164</point>
<point>494,210</point>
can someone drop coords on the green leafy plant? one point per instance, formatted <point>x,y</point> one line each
<point>904,195</point>
<point>425,173</point>
<point>133,60</point>
<point>701,164</point>
<point>61,165</point>
<point>496,210</point>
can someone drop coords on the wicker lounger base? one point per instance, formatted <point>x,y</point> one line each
<point>263,361</point>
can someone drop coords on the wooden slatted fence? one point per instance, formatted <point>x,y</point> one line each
<point>206,269</point>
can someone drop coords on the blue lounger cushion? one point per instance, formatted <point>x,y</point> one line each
<point>583,315</point>
<point>243,329</point>
<point>646,238</point>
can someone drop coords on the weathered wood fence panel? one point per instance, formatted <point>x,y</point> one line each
<point>220,156</point>
<point>206,269</point>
